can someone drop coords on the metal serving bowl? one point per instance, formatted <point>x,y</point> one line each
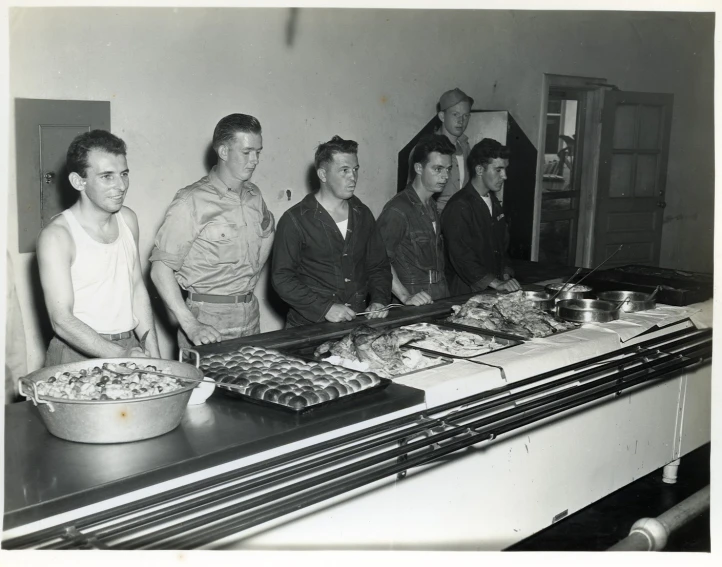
<point>588,310</point>
<point>542,300</point>
<point>570,291</point>
<point>112,421</point>
<point>636,301</point>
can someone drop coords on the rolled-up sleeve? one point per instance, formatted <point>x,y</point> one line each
<point>287,257</point>
<point>461,238</point>
<point>378,267</point>
<point>392,226</point>
<point>176,234</point>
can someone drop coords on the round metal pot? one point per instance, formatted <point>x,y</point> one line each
<point>636,301</point>
<point>588,310</point>
<point>112,421</point>
<point>542,300</point>
<point>570,291</point>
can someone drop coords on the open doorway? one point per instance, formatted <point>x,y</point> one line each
<point>567,167</point>
<point>559,220</point>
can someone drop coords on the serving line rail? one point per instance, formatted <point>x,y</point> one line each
<point>208,512</point>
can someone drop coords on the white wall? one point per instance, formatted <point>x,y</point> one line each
<point>370,75</point>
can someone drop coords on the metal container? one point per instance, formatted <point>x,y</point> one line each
<point>636,301</point>
<point>588,310</point>
<point>570,291</point>
<point>112,421</point>
<point>542,299</point>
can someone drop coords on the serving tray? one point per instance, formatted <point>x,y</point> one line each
<point>502,341</point>
<point>306,351</point>
<point>500,334</point>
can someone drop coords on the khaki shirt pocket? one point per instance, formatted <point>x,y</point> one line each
<point>223,241</point>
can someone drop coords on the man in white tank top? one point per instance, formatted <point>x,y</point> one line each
<point>89,263</point>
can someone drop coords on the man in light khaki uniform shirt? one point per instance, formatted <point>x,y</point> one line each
<point>454,113</point>
<point>214,241</point>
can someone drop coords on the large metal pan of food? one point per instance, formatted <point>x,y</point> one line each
<point>540,299</point>
<point>633,300</point>
<point>88,403</point>
<point>568,291</point>
<point>588,310</point>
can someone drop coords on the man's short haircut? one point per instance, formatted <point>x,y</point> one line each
<point>429,144</point>
<point>230,125</point>
<point>484,153</point>
<point>336,145</point>
<point>81,146</point>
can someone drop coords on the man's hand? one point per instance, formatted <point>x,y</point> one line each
<point>421,298</point>
<point>339,313</point>
<point>505,286</point>
<point>135,352</point>
<point>377,313</point>
<point>512,284</point>
<point>201,334</point>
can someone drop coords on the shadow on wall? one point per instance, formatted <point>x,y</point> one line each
<point>38,299</point>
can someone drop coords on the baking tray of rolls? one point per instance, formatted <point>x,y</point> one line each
<point>276,380</point>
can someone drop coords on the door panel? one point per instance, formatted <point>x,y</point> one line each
<point>44,130</point>
<point>634,150</point>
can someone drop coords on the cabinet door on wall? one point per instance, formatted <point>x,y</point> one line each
<point>43,132</point>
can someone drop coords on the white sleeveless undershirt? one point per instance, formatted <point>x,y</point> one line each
<point>343,226</point>
<point>102,277</point>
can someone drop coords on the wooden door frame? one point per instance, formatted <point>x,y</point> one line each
<point>591,90</point>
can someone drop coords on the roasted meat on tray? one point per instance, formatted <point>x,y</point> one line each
<point>380,349</point>
<point>511,313</point>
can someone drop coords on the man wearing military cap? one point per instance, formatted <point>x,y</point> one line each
<point>454,110</point>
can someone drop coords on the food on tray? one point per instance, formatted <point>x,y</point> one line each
<point>270,376</point>
<point>379,349</point>
<point>451,341</point>
<point>511,313</point>
<point>105,384</point>
<point>571,288</point>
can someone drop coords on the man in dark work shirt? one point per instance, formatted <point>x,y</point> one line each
<point>475,231</point>
<point>328,256</point>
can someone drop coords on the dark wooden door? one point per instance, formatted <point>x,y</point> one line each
<point>634,150</point>
<point>44,130</point>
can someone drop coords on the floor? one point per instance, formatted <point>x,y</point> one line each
<point>604,523</point>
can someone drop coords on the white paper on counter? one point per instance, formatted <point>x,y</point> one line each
<point>631,325</point>
<point>552,352</point>
<point>453,381</point>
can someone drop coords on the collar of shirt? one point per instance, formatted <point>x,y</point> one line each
<point>413,196</point>
<point>224,191</point>
<point>310,204</point>
<point>460,141</point>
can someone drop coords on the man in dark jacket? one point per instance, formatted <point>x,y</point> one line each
<point>475,231</point>
<point>328,256</point>
<point>410,227</point>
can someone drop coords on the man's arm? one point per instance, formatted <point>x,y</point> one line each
<point>164,279</point>
<point>172,243</point>
<point>141,301</point>
<point>55,251</point>
<point>285,261</point>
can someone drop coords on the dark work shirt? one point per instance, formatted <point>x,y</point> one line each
<point>315,267</point>
<point>414,248</point>
<point>476,241</point>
